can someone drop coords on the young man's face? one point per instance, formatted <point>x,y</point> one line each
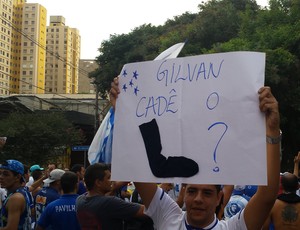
<point>8,179</point>
<point>201,202</point>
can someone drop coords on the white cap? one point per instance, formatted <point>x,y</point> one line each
<point>55,175</point>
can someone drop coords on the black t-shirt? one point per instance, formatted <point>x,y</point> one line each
<point>104,212</point>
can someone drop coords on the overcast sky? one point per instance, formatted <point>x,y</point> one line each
<point>97,19</point>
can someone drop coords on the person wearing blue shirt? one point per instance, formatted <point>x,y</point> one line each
<point>48,194</point>
<point>61,213</point>
<point>15,212</point>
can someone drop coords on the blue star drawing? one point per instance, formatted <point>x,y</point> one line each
<point>124,74</point>
<point>135,75</point>
<point>132,82</point>
<point>124,87</point>
<point>136,90</point>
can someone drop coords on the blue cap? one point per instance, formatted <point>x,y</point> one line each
<point>35,167</point>
<point>13,165</point>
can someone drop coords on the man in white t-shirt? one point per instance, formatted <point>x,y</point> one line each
<point>201,200</point>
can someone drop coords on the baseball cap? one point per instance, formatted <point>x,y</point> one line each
<point>13,165</point>
<point>54,175</point>
<point>35,167</point>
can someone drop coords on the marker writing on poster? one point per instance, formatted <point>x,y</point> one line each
<point>171,74</point>
<point>211,103</point>
<point>175,73</point>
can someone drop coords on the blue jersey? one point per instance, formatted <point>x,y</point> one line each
<point>25,218</point>
<point>60,214</point>
<point>29,196</point>
<point>43,198</point>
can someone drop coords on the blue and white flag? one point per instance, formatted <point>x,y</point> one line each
<point>101,147</point>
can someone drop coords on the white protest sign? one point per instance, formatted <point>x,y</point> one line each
<point>193,119</point>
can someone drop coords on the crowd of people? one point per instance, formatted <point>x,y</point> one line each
<point>85,198</point>
<point>38,198</point>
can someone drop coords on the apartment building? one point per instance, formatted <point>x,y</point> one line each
<point>36,58</point>
<point>33,49</point>
<point>7,46</point>
<point>22,47</point>
<point>62,57</point>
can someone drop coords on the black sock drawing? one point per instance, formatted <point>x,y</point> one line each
<point>162,167</point>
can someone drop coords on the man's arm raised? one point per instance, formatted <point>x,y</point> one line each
<point>146,191</point>
<point>259,206</point>
<point>114,92</point>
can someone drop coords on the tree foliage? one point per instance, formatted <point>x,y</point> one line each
<point>224,26</point>
<point>37,137</point>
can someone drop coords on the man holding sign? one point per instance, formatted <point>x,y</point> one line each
<point>201,200</point>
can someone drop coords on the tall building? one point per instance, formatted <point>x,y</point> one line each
<point>34,58</point>
<point>62,57</point>
<point>22,47</point>
<point>33,49</point>
<point>11,14</point>
<point>15,36</point>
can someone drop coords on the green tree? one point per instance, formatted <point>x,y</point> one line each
<point>142,44</point>
<point>37,137</point>
<point>218,22</point>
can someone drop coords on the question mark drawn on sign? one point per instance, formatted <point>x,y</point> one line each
<point>217,169</point>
